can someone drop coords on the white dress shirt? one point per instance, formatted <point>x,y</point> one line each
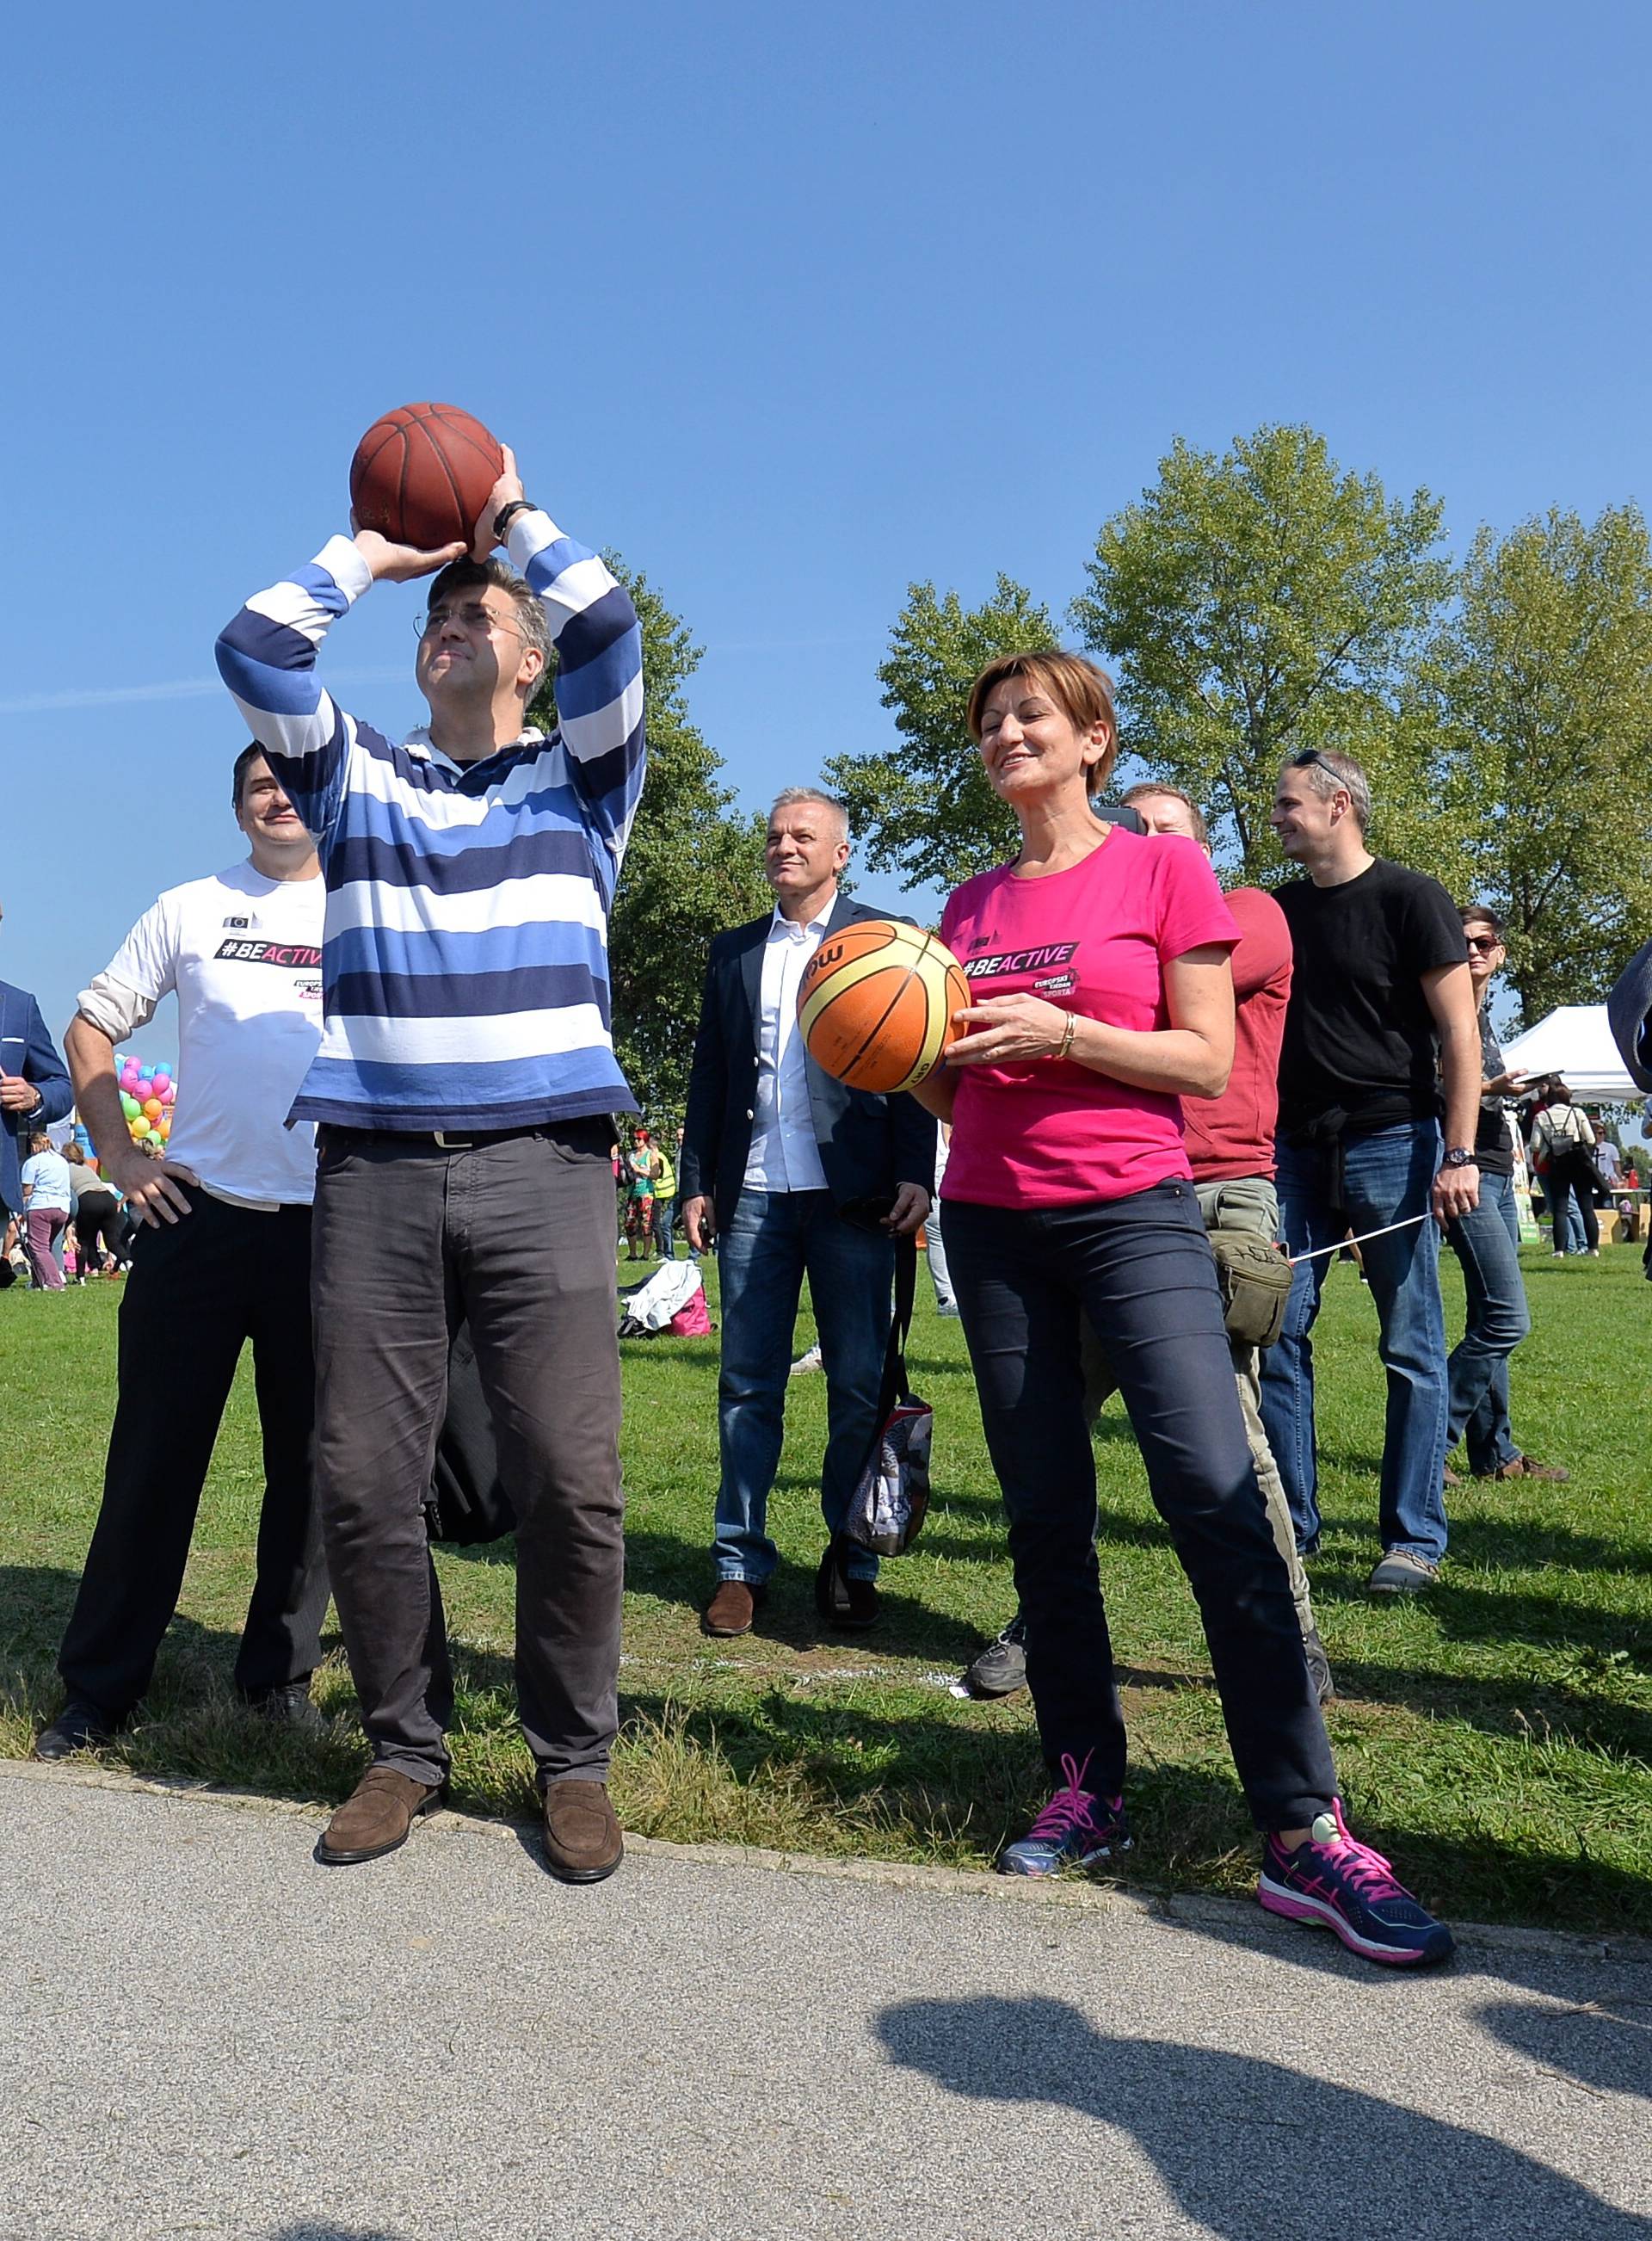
<point>784,1154</point>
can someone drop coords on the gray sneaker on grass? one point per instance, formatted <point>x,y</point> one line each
<point>1001,1670</point>
<point>1402,1574</point>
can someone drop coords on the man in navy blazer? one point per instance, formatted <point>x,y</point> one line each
<point>35,1087</point>
<point>795,1175</point>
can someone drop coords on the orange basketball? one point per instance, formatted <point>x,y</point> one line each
<point>876,1003</point>
<point>422,475</point>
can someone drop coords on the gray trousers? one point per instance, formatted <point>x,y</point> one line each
<point>1249,1203</point>
<point>518,1237</point>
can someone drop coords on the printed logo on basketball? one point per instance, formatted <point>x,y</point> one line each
<point>1007,962</point>
<point>305,955</point>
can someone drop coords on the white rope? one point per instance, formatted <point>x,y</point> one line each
<point>1410,1222</point>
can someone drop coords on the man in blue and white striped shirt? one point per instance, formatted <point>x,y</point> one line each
<point>462,1089</point>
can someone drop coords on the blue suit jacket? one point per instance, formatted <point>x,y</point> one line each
<point>26,1049</point>
<point>869,1144</point>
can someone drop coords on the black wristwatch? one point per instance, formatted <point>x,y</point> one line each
<point>506,515</point>
<point>1457,1157</point>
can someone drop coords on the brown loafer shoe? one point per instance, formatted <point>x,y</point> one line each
<point>582,1842</point>
<point>377,1816</point>
<point>1523,1467</point>
<point>732,1608</point>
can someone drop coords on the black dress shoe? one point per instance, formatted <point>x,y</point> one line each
<point>76,1728</point>
<point>849,1605</point>
<point>289,1706</point>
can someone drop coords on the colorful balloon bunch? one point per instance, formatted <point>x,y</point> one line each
<point>146,1097</point>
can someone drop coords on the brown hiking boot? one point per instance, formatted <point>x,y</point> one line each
<point>582,1839</point>
<point>732,1608</point>
<point>377,1816</point>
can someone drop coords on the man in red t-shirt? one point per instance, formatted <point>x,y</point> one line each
<point>1230,1148</point>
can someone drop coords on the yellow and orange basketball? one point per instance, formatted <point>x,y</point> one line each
<point>876,1003</point>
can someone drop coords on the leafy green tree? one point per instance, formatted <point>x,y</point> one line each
<point>924,808</point>
<point>1539,690</point>
<point>1264,602</point>
<point>694,865</point>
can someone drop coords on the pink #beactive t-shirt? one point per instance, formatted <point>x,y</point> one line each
<point>1095,940</point>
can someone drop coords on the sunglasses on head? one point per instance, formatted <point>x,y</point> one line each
<point>1304,756</point>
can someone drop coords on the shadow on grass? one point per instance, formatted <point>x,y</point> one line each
<point>677,1571</point>
<point>1536,1544</point>
<point>1466,1611</point>
<point>660,1564</point>
<point>1541,1712</point>
<point>1436,2178</point>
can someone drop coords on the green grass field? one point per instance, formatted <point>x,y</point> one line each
<point>1493,1738</point>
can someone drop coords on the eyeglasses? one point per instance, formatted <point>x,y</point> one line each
<point>473,616</point>
<point>1485,943</point>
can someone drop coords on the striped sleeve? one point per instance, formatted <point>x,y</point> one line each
<point>267,658</point>
<point>600,680</point>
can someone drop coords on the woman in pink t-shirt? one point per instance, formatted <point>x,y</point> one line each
<point>1099,962</point>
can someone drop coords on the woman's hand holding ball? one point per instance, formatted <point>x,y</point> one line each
<point>1011,1031</point>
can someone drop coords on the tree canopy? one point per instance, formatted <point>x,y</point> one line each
<point>693,865</point>
<point>1535,698</point>
<point>1257,604</point>
<point>925,808</point>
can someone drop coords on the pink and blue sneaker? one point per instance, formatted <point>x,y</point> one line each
<point>1343,1885</point>
<point>1076,1828</point>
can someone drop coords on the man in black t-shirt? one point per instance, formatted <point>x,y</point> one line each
<point>1380,1001</point>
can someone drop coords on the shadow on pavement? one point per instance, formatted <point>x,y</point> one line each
<point>312,2232</point>
<point>1251,2149</point>
<point>1604,2044</point>
<point>1432,1866</point>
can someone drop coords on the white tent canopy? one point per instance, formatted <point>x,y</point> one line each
<point>1575,1043</point>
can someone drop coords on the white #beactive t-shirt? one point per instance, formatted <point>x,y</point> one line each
<point>243,954</point>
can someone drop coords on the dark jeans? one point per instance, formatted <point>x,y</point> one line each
<point>1387,1175</point>
<point>1141,1269</point>
<point>518,1237</point>
<point>1571,1177</point>
<point>199,1290</point>
<point>1486,1242</point>
<point>774,1240</point>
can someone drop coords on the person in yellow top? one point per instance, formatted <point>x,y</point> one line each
<point>665,1203</point>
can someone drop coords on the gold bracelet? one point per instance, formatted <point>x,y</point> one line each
<point>1067,1033</point>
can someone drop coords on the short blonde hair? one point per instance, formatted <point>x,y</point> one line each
<point>1083,693</point>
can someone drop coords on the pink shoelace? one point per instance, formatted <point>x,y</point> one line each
<point>1071,1807</point>
<point>1371,1875</point>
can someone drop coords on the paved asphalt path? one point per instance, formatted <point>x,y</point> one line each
<point>207,2034</point>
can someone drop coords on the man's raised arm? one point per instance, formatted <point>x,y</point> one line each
<point>599,681</point>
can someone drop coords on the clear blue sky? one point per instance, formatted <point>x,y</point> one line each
<point>792,306</point>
